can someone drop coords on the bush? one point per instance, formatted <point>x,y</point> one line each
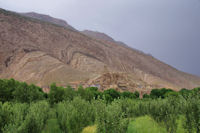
<point>5,115</point>
<point>165,111</point>
<point>52,126</point>
<point>75,115</point>
<point>36,117</point>
<point>192,115</point>
<point>110,119</point>
<point>17,114</point>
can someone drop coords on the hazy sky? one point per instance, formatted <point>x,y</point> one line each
<point>167,29</point>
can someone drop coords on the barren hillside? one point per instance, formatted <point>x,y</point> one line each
<point>48,18</point>
<point>42,53</point>
<point>97,35</point>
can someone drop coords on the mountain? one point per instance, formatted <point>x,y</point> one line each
<point>38,52</point>
<point>97,35</point>
<point>48,18</point>
<point>103,37</point>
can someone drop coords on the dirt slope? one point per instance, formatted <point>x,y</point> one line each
<point>41,53</point>
<point>48,18</point>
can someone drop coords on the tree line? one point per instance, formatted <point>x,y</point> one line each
<point>27,109</point>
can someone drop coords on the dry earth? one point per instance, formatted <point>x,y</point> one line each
<point>39,52</point>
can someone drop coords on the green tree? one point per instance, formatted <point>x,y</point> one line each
<point>75,115</point>
<point>159,93</point>
<point>36,117</point>
<point>27,93</point>
<point>6,89</point>
<point>56,94</point>
<point>17,115</point>
<point>111,94</point>
<point>110,119</point>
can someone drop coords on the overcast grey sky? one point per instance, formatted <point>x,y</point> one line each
<point>167,29</point>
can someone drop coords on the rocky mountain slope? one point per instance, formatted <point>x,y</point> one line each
<point>97,35</point>
<point>38,52</point>
<point>48,18</point>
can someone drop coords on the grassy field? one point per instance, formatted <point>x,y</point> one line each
<point>146,124</point>
<point>143,124</point>
<point>90,129</point>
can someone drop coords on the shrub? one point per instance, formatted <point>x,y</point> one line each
<point>52,126</point>
<point>165,111</point>
<point>110,119</point>
<point>36,117</point>
<point>75,115</point>
<point>17,114</point>
<point>5,117</point>
<point>192,115</point>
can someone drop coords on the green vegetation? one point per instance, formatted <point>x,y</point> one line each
<point>145,124</point>
<point>90,129</point>
<point>27,109</point>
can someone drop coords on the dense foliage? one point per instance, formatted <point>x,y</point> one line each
<point>27,109</point>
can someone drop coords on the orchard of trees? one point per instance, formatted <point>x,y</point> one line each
<point>27,109</point>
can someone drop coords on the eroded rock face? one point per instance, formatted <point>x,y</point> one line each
<point>42,53</point>
<point>40,68</point>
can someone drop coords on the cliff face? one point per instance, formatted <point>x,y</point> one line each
<point>42,53</point>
